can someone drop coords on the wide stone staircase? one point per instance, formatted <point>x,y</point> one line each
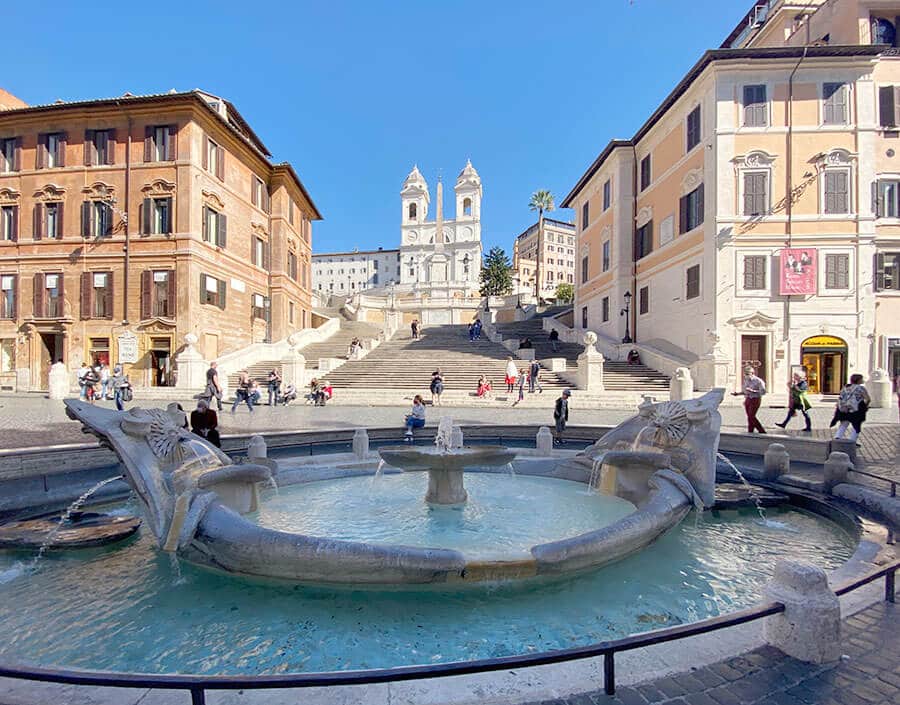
<point>617,376</point>
<point>336,346</point>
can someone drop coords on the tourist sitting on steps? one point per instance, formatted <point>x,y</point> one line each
<point>634,357</point>
<point>484,387</point>
<point>416,417</point>
<point>316,393</point>
<point>288,394</point>
<point>526,344</point>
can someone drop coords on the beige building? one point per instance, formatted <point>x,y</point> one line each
<point>754,217</point>
<point>557,264</point>
<point>127,223</point>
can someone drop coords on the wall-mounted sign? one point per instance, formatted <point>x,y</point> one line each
<point>128,348</point>
<point>667,230</point>
<point>824,341</point>
<point>798,271</point>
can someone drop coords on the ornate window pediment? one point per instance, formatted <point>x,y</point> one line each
<point>691,181</point>
<point>99,191</point>
<point>50,192</point>
<point>212,199</point>
<point>835,157</point>
<point>158,187</point>
<point>644,216</point>
<point>605,233</point>
<point>258,229</point>
<point>9,195</point>
<point>755,159</point>
<point>756,321</point>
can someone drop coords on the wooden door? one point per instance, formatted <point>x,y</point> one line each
<point>753,353</point>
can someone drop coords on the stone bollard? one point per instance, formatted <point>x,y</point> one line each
<point>360,443</point>
<point>544,441</point>
<point>809,629</point>
<point>835,469</point>
<point>256,449</point>
<point>880,389</point>
<point>681,385</point>
<point>58,381</point>
<point>456,438</point>
<point>776,462</point>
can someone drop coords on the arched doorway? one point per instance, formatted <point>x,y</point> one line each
<point>825,359</point>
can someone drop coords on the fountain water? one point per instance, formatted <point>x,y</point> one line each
<point>379,471</point>
<point>750,489</point>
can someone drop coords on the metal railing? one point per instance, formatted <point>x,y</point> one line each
<point>198,685</point>
<point>882,478</point>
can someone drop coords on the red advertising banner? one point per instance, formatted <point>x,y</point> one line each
<point>798,271</point>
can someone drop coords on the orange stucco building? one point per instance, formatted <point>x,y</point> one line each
<point>127,223</point>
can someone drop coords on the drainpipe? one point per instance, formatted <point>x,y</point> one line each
<point>635,298</point>
<point>127,211</point>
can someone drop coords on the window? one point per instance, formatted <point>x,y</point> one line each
<point>607,194</point>
<point>692,287</point>
<point>644,300</point>
<point>606,256</point>
<point>259,306</point>
<point>467,206</point>
<point>693,128</point>
<point>99,147</point>
<point>96,295</point>
<point>215,227</point>
<point>212,291</point>
<point>645,172</point>
<point>756,193</point>
<point>887,271</point>
<point>8,308</point>
<point>889,106</point>
<point>259,254</point>
<point>604,308</point>
<point>755,272</point>
<point>291,309</point>
<point>291,212</point>
<point>584,269</point>
<point>51,151</point>
<point>643,245</point>
<point>52,217</point>
<point>834,104</point>
<point>292,266</point>
<point>10,154</point>
<point>584,317</point>
<point>158,294</point>
<point>585,214</point>
<point>837,191</point>
<point>97,219</point>
<point>690,211</point>
<point>412,211</point>
<point>156,216</point>
<point>756,112</point>
<point>9,223</point>
<point>837,271</point>
<point>53,292</point>
<point>214,159</point>
<point>159,143</point>
<point>887,198</point>
<point>259,194</point>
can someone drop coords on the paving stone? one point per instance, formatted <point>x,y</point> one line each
<point>580,699</point>
<point>670,687</point>
<point>726,671</point>
<point>651,693</point>
<point>699,699</point>
<point>724,696</point>
<point>690,683</point>
<point>628,696</point>
<point>708,677</point>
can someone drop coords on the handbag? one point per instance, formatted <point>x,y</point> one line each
<point>127,393</point>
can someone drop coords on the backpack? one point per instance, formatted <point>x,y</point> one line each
<point>848,401</point>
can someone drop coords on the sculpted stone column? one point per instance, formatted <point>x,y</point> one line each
<point>190,365</point>
<point>590,365</point>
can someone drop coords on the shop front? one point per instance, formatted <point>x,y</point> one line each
<point>824,357</point>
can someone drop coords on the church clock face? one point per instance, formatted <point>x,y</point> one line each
<point>413,236</point>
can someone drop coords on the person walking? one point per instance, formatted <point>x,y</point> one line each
<point>799,401</point>
<point>534,377</point>
<point>119,383</point>
<point>414,327</point>
<point>105,390</point>
<point>852,406</point>
<point>561,416</point>
<point>81,374</point>
<point>91,378</point>
<point>437,387</point>
<point>554,340</point>
<point>471,332</point>
<point>752,389</point>
<point>213,388</point>
<point>274,384</point>
<point>416,417</point>
<point>512,374</point>
<point>242,393</point>
<point>204,423</point>
<point>477,328</point>
<point>521,381</point>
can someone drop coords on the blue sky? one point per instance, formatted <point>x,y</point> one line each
<point>355,93</point>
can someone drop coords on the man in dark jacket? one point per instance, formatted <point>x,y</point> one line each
<point>561,415</point>
<point>213,390</point>
<point>204,422</point>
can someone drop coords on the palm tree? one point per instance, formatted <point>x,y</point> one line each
<point>541,201</point>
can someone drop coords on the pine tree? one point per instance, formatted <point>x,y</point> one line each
<point>496,273</point>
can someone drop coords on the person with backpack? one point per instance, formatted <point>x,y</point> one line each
<point>753,389</point>
<point>850,411</point>
<point>274,384</point>
<point>534,377</point>
<point>799,401</point>
<point>437,387</point>
<point>121,387</point>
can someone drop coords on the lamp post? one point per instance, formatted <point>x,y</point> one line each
<point>625,312</point>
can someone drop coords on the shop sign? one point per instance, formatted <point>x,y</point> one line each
<point>824,341</point>
<point>893,342</point>
<point>798,271</point>
<point>128,348</point>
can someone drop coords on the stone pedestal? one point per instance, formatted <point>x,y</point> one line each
<point>293,369</point>
<point>590,365</point>
<point>256,449</point>
<point>525,353</point>
<point>58,381</point>
<point>681,385</point>
<point>456,438</point>
<point>544,441</point>
<point>360,443</point>
<point>777,462</point>
<point>190,365</point>
<point>880,389</point>
<point>845,447</point>
<point>809,629</point>
<point>446,487</point>
<point>555,364</point>
<point>520,314</point>
<point>836,469</point>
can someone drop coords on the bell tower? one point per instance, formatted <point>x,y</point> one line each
<point>468,194</point>
<point>414,199</point>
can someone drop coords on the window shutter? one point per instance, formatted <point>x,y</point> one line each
<point>89,147</point>
<point>17,155</point>
<point>17,293</point>
<point>829,192</point>
<point>86,219</point>
<point>205,233</point>
<point>220,163</point>
<point>108,230</point>
<point>254,188</point>
<point>61,150</point>
<point>170,216</point>
<point>87,287</point>
<point>700,207</point>
<point>222,221</point>
<point>879,271</point>
<point>171,149</point>
<point>748,194</point>
<point>39,295</point>
<point>146,293</point>
<point>62,295</point>
<point>268,255</point>
<point>109,295</point>
<point>39,152</point>
<point>202,288</point>
<point>842,192</point>
<point>896,99</point>
<point>682,215</point>
<point>38,227</point>
<point>173,295</point>
<point>14,231</point>
<point>886,108</point>
<point>844,272</point>
<point>829,272</point>
<point>877,199</point>
<point>221,283</point>
<point>205,156</point>
<point>253,246</point>
<point>148,143</point>
<point>111,146</point>
<point>146,215</point>
<point>60,220</point>
<point>748,272</point>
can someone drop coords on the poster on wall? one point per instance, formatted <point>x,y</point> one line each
<point>798,271</point>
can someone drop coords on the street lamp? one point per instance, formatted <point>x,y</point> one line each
<point>624,312</point>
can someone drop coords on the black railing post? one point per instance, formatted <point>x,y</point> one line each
<point>890,586</point>
<point>198,696</point>
<point>609,672</point>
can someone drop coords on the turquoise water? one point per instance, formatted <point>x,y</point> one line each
<point>131,608</point>
<point>504,517</point>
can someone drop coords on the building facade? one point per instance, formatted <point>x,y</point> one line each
<point>557,264</point>
<point>753,218</point>
<point>346,273</point>
<point>127,223</point>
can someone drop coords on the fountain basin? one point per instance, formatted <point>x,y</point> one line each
<point>84,530</point>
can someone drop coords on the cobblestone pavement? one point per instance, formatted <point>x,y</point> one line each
<point>868,674</point>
